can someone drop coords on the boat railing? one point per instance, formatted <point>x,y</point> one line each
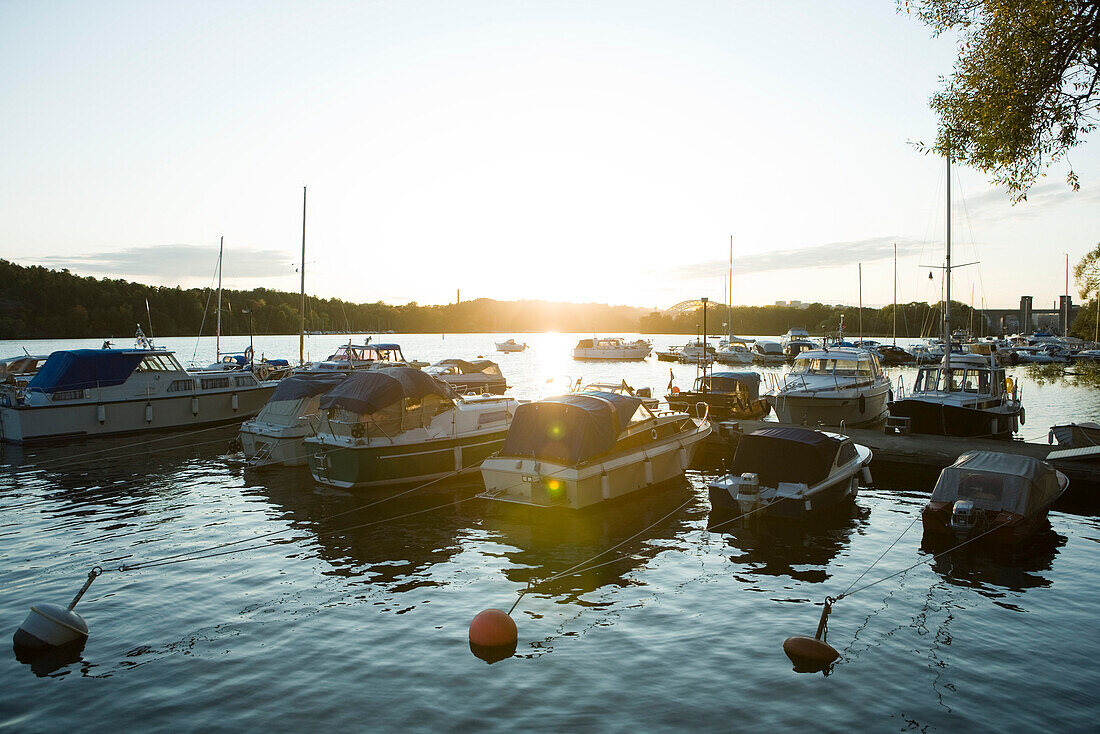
<point>901,392</point>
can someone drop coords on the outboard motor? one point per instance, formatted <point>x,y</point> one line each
<point>963,517</point>
<point>748,491</point>
<point>644,392</point>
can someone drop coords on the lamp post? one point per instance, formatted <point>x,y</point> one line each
<point>704,299</point>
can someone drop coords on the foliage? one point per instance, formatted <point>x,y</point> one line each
<point>1080,374</point>
<point>1025,85</point>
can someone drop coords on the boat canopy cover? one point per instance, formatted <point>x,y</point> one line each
<point>571,428</point>
<point>996,481</point>
<point>79,369</point>
<point>306,385</point>
<point>372,391</point>
<point>729,382</point>
<point>383,347</point>
<point>796,455</point>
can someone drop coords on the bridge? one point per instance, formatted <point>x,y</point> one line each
<point>1027,319</point>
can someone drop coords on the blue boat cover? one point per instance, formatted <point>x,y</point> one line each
<point>571,428</point>
<point>306,385</point>
<point>728,382</point>
<point>371,391</point>
<point>79,369</point>
<point>796,455</point>
<point>380,347</point>
<point>278,362</point>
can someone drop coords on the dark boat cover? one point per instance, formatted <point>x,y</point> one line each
<point>796,455</point>
<point>79,369</point>
<point>728,382</point>
<point>571,428</point>
<point>307,385</point>
<point>466,368</point>
<point>996,481</point>
<point>371,391</point>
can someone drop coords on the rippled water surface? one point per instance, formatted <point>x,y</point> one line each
<point>356,613</point>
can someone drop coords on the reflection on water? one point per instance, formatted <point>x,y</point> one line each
<point>990,569</point>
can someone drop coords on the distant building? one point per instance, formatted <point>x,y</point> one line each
<point>781,303</point>
<point>799,304</point>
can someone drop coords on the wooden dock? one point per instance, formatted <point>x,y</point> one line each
<point>913,462</point>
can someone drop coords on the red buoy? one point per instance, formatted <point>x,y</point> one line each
<point>809,655</point>
<point>493,628</point>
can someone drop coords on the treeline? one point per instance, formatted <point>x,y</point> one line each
<point>37,302</point>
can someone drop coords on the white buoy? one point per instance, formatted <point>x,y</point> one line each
<point>52,625</point>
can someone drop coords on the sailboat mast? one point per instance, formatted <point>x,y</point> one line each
<point>895,294</point>
<point>302,295</point>
<point>218,337</point>
<point>947,277</point>
<point>861,304</point>
<point>729,301</point>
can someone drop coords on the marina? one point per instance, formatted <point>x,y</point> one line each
<point>405,575</point>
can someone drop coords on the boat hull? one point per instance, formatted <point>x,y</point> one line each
<point>622,355</point>
<point>268,445</point>
<point>839,489</point>
<point>846,406</point>
<point>547,484</point>
<point>944,419</point>
<point>380,463</point>
<point>27,424</point>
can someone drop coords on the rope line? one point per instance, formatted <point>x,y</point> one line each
<point>883,555</point>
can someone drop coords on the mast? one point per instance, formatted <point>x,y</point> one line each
<point>1065,324</point>
<point>861,304</point>
<point>302,296</point>
<point>947,277</point>
<point>729,301</point>
<point>218,337</point>
<point>895,294</point>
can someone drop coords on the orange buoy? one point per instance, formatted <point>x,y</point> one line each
<point>808,654</point>
<point>493,628</point>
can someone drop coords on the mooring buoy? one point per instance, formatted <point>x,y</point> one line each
<point>52,625</point>
<point>493,628</point>
<point>811,654</point>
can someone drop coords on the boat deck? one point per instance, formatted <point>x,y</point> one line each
<point>913,462</point>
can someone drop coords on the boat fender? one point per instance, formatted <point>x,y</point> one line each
<point>653,433</point>
<point>675,390</point>
<point>101,413</point>
<point>1022,421</point>
<point>890,395</point>
<point>862,404</point>
<point>148,412</point>
<point>248,354</point>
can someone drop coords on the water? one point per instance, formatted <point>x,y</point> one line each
<point>367,627</point>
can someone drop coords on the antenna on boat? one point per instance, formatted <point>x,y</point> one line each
<point>302,296</point>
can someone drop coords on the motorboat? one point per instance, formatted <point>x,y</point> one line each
<point>1075,435</point>
<point>276,435</point>
<point>351,357</point>
<point>264,369</point>
<point>479,376</point>
<point>696,350</point>
<point>1001,498</point>
<point>729,395</point>
<point>768,353</point>
<point>399,425</point>
<point>622,388</point>
<point>831,387</point>
<point>791,473</point>
<point>672,354</point>
<point>966,395</point>
<point>20,369</point>
<point>585,448</point>
<point>796,346</point>
<point>894,356</point>
<point>612,347</point>
<point>735,353</point>
<point>795,333</point>
<point>97,392</point>
<point>510,346</point>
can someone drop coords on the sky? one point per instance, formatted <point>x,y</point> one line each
<point>573,151</point>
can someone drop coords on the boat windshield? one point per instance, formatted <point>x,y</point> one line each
<point>976,381</point>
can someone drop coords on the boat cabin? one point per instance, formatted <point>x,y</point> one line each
<point>970,375</point>
<point>350,356</point>
<point>846,364</point>
<point>791,455</point>
<point>384,402</point>
<point>745,384</point>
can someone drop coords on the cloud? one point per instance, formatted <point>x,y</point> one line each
<point>830,255</point>
<point>176,262</point>
<point>996,203</point>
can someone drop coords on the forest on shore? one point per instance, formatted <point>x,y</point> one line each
<point>41,303</point>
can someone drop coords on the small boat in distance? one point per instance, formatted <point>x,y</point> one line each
<point>791,473</point>
<point>585,448</point>
<point>510,346</point>
<point>768,353</point>
<point>736,353</point>
<point>1002,497</point>
<point>612,348</point>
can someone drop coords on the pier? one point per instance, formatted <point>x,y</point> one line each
<point>913,462</point>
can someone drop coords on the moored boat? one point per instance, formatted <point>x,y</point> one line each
<point>480,376</point>
<point>1000,498</point>
<point>833,386</point>
<point>767,353</point>
<point>729,395</point>
<point>585,448</point>
<point>612,348</point>
<point>276,435</point>
<point>791,473</point>
<point>398,425</point>
<point>510,346</point>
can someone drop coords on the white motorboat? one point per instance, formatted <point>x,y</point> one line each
<point>399,425</point>
<point>585,448</point>
<point>477,377</point>
<point>510,346</point>
<point>830,387</point>
<point>768,353</point>
<point>612,348</point>
<point>20,369</point>
<point>98,392</point>
<point>734,353</point>
<point>791,473</point>
<point>351,357</point>
<point>277,434</point>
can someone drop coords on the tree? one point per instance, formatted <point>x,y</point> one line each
<point>1086,273</point>
<point>1025,85</point>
